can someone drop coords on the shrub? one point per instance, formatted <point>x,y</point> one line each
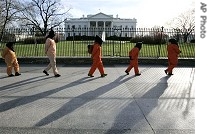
<point>31,40</point>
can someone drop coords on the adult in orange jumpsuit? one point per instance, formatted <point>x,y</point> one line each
<point>133,54</point>
<point>173,52</point>
<point>10,58</point>
<point>50,51</point>
<point>96,58</point>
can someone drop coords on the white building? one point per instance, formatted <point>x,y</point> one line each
<point>96,24</point>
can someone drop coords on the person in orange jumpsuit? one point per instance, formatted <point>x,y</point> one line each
<point>96,58</point>
<point>10,58</point>
<point>173,52</point>
<point>50,51</point>
<point>133,55</point>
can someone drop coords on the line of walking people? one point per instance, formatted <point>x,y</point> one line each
<point>8,54</point>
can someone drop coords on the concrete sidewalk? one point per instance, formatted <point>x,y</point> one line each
<point>152,103</point>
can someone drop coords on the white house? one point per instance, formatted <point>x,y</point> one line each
<point>96,24</point>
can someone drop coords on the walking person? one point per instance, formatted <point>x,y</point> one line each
<point>133,55</point>
<point>96,58</point>
<point>50,51</point>
<point>173,53</point>
<point>8,54</point>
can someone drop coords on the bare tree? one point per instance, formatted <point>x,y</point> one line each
<point>184,24</point>
<point>43,14</point>
<point>8,13</point>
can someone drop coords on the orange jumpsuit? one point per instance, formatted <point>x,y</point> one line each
<point>173,52</point>
<point>11,60</point>
<point>96,57</point>
<point>133,54</point>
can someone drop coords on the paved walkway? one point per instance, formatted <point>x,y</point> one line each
<point>152,103</point>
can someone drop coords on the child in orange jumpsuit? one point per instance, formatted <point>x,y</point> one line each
<point>133,54</point>
<point>96,57</point>
<point>173,52</point>
<point>10,58</point>
<point>50,51</point>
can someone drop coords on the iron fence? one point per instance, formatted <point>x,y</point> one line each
<point>118,42</point>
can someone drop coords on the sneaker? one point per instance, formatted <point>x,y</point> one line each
<point>137,74</point>
<point>127,72</point>
<point>17,74</point>
<point>45,72</point>
<point>57,75</point>
<point>11,75</point>
<point>165,71</point>
<point>103,75</point>
<point>90,75</point>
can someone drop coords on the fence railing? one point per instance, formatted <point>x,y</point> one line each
<point>118,43</point>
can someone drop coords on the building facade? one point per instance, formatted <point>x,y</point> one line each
<point>99,23</point>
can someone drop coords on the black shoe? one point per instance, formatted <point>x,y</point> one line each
<point>170,74</point>
<point>137,74</point>
<point>90,75</point>
<point>165,71</point>
<point>103,75</point>
<point>17,74</point>
<point>45,72</point>
<point>11,75</point>
<point>127,72</point>
<point>57,75</point>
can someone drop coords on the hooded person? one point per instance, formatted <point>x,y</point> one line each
<point>96,58</point>
<point>173,53</point>
<point>133,56</point>
<point>10,58</point>
<point>50,51</point>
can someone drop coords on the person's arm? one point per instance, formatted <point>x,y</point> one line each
<point>47,45</point>
<point>176,48</point>
<point>95,49</point>
<point>4,52</point>
<point>135,53</point>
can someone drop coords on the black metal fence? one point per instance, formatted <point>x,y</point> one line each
<point>118,42</point>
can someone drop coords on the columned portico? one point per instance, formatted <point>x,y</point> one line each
<point>98,23</point>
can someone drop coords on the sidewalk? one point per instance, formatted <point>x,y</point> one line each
<point>152,103</point>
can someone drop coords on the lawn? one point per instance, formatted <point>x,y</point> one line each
<point>109,48</point>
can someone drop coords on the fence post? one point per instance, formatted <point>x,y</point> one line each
<point>73,27</point>
<point>159,46</point>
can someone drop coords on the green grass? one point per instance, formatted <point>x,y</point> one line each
<point>109,48</point>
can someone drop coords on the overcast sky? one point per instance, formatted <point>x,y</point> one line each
<point>147,12</point>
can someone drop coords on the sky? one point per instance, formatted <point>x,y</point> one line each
<point>149,13</point>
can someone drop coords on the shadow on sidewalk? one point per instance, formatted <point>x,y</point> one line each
<point>24,82</point>
<point>28,99</point>
<point>127,121</point>
<point>89,96</point>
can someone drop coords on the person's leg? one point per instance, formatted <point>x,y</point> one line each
<point>129,68</point>
<point>172,64</point>
<point>169,63</point>
<point>136,68</point>
<point>16,67</point>
<point>53,64</point>
<point>93,68</point>
<point>101,69</point>
<point>9,68</point>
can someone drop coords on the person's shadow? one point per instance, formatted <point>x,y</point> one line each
<point>86,97</point>
<point>28,99</point>
<point>125,120</point>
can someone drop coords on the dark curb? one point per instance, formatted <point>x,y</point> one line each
<point>106,61</point>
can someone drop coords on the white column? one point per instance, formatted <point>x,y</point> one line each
<point>104,25</point>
